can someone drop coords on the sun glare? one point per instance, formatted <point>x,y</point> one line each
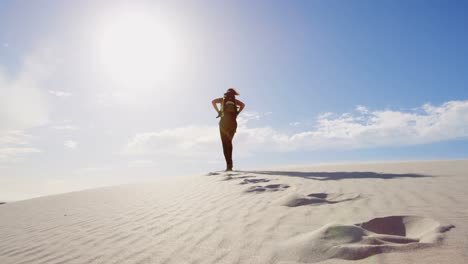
<point>136,49</point>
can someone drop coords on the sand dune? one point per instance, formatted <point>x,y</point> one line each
<point>410,212</point>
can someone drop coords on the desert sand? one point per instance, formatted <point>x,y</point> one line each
<point>398,212</point>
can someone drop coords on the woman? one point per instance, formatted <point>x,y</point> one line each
<point>228,123</point>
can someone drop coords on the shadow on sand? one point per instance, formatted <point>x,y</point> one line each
<point>328,176</point>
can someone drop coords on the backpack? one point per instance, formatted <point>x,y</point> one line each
<point>229,105</point>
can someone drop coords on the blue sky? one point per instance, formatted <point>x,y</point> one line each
<point>96,93</point>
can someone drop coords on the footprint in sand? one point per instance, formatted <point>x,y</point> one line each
<point>247,181</point>
<point>224,173</point>
<point>213,173</point>
<point>268,188</point>
<point>228,178</point>
<point>295,200</point>
<point>362,240</point>
<point>228,175</point>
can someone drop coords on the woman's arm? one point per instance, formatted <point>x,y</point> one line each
<point>215,102</point>
<point>241,105</point>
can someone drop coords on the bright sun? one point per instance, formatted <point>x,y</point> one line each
<point>135,49</point>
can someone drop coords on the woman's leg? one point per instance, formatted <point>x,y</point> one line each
<point>227,128</point>
<point>225,141</point>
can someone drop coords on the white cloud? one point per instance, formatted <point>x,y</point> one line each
<point>23,103</point>
<point>294,123</point>
<point>60,93</point>
<point>363,129</point>
<point>23,100</point>
<point>245,117</point>
<point>70,144</point>
<point>13,137</point>
<point>11,154</point>
<point>184,141</point>
<point>13,144</point>
<point>325,115</point>
<point>362,109</point>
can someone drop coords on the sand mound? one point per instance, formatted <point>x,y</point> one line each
<point>353,242</point>
<point>296,200</point>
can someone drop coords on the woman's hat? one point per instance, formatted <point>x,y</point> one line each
<point>233,90</point>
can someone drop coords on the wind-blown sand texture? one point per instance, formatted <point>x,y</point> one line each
<point>408,212</point>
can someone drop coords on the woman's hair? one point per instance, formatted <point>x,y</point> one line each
<point>232,90</point>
